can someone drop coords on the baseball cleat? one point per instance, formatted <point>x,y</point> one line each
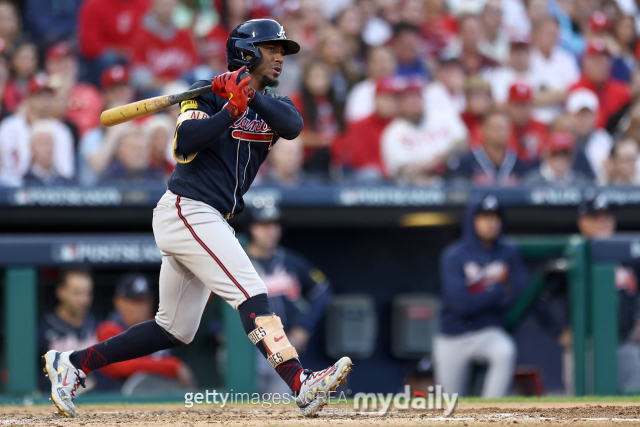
<point>316,388</point>
<point>65,380</point>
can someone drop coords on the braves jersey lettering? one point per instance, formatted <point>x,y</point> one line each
<point>478,279</point>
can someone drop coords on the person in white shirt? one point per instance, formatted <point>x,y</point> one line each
<point>446,92</point>
<point>15,134</point>
<point>415,144</point>
<point>516,70</point>
<point>495,43</point>
<point>594,144</point>
<point>553,68</point>
<point>381,62</point>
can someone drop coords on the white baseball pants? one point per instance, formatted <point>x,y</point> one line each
<point>200,255</point>
<point>453,356</point>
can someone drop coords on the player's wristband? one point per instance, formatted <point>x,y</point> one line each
<point>233,111</point>
<point>251,93</point>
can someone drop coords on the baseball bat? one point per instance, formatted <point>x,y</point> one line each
<point>124,113</point>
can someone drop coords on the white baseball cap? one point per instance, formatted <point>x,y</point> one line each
<point>580,99</point>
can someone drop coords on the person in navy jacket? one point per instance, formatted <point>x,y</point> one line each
<point>482,275</point>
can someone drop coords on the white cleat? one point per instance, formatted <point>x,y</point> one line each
<point>65,380</point>
<point>316,388</point>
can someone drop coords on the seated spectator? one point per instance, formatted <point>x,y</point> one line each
<point>406,47</point>
<point>537,10</point>
<point>350,23</point>
<point>322,114</point>
<point>285,163</point>
<point>298,292</point>
<point>70,326</point>
<point>466,46</point>
<point>479,102</point>
<point>613,96</point>
<point>15,131</point>
<point>98,146</point>
<point>516,70</point>
<point>528,136</point>
<point>24,65</point>
<point>49,22</point>
<point>162,52</point>
<point>482,275</point>
<point>343,67</point>
<point>10,25</point>
<point>495,43</point>
<point>359,147</point>
<point>417,142</point>
<point>556,168</point>
<point>593,145</point>
<point>360,102</point>
<point>438,28</point>
<point>376,31</point>
<point>106,29</point>
<point>42,171</point>
<point>81,102</point>
<point>571,17</point>
<point>133,303</point>
<point>446,91</point>
<point>159,129</point>
<point>491,164</point>
<point>553,69</point>
<point>623,48</point>
<point>132,159</point>
<point>621,166</point>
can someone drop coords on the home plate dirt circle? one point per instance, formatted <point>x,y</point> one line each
<point>467,414</point>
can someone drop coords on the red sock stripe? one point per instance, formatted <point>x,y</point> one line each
<point>195,236</point>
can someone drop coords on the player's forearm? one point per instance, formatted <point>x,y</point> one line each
<point>283,118</point>
<point>196,135</point>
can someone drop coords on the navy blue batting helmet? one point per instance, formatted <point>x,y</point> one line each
<point>242,40</point>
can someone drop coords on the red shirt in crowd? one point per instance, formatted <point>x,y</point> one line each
<point>109,25</point>
<point>166,366</point>
<point>613,96</point>
<point>13,95</point>
<point>359,146</point>
<point>166,57</point>
<point>84,107</point>
<point>215,43</point>
<point>472,121</point>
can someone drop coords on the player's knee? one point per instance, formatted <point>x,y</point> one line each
<point>503,351</point>
<point>173,338</point>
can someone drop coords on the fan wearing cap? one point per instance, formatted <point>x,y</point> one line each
<point>554,69</point>
<point>528,136</point>
<point>15,132</point>
<point>597,220</point>
<point>613,96</point>
<point>417,143</point>
<point>593,144</point>
<point>481,274</point>
<point>298,292</point>
<point>381,63</point>
<point>98,145</point>
<point>162,52</point>
<point>358,148</point>
<point>517,69</point>
<point>80,102</point>
<point>556,166</point>
<point>133,304</point>
<point>492,163</point>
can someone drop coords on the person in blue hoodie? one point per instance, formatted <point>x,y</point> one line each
<point>482,275</point>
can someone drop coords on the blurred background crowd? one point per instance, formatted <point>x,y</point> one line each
<point>421,92</point>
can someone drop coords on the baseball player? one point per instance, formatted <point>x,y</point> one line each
<point>221,140</point>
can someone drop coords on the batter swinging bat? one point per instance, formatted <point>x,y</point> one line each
<point>124,113</point>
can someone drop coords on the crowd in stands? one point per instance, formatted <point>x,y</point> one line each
<point>417,92</point>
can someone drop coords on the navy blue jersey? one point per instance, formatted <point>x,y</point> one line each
<point>298,292</point>
<point>220,166</point>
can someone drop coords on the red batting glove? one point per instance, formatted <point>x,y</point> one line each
<point>218,85</point>
<point>237,95</point>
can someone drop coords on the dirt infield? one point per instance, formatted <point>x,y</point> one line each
<point>467,414</point>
